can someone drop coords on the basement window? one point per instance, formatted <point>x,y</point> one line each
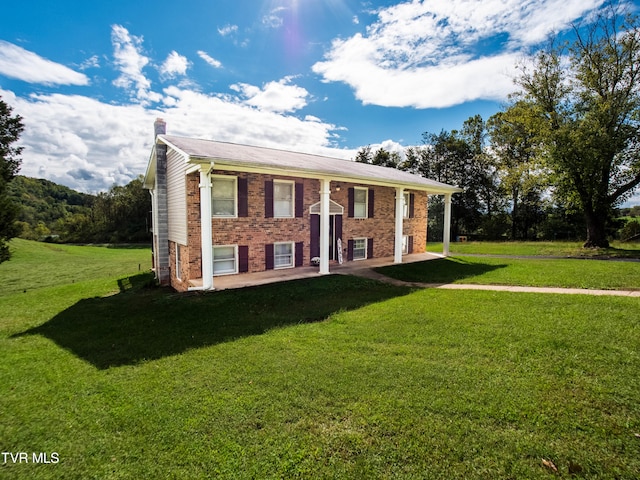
<point>225,260</point>
<point>359,248</point>
<point>283,255</point>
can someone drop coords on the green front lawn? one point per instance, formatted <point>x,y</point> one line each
<point>36,265</point>
<point>333,377</point>
<point>555,249</point>
<point>567,273</point>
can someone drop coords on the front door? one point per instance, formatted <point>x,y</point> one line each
<point>335,232</point>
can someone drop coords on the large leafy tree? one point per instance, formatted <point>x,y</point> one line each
<point>522,175</point>
<point>10,129</point>
<point>584,108</point>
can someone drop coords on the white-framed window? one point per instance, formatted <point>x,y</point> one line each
<point>283,255</point>
<point>359,248</point>
<point>225,259</point>
<point>405,244</point>
<point>360,202</point>
<point>224,196</point>
<point>178,263</point>
<point>283,198</point>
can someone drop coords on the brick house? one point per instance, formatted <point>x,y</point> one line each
<point>221,209</point>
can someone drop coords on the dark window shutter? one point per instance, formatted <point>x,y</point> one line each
<point>299,200</point>
<point>370,209</point>
<point>314,240</point>
<point>243,198</point>
<point>369,247</point>
<point>268,256</point>
<point>351,203</point>
<point>412,201</point>
<point>268,199</point>
<point>299,254</point>
<point>243,259</point>
<point>410,244</point>
<point>350,250</point>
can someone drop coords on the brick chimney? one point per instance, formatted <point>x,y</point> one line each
<point>163,271</point>
<point>160,127</point>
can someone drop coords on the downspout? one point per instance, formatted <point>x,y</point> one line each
<point>206,230</point>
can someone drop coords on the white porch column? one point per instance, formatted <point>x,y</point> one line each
<point>206,241</point>
<point>447,224</point>
<point>397,252</point>
<point>325,193</point>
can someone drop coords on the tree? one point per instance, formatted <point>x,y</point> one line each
<point>460,158</point>
<point>121,214</point>
<point>10,129</point>
<point>522,175</point>
<point>585,104</point>
<point>382,157</point>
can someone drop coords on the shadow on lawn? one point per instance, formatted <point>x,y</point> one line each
<point>142,323</point>
<point>440,271</point>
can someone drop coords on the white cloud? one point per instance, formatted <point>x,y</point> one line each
<point>227,30</point>
<point>274,19</point>
<point>81,142</point>
<point>191,116</point>
<point>89,145</point>
<point>16,62</point>
<point>91,62</point>
<point>209,59</point>
<point>174,65</point>
<point>276,97</point>
<point>130,61</point>
<point>431,53</point>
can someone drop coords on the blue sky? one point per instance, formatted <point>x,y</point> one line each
<point>320,76</point>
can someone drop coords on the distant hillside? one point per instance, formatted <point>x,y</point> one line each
<point>43,201</point>
<point>57,213</point>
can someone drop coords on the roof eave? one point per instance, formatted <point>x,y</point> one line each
<point>149,180</point>
<point>226,164</point>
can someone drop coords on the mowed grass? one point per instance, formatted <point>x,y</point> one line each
<point>545,248</point>
<point>36,265</point>
<point>542,272</point>
<point>334,377</point>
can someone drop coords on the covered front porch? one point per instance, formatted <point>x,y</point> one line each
<point>226,282</point>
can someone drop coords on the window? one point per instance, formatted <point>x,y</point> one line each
<point>360,202</point>
<point>223,196</point>
<point>283,255</point>
<point>178,263</point>
<point>283,201</point>
<point>225,260</point>
<point>405,244</point>
<point>359,248</point>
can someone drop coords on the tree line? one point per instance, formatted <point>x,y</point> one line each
<point>55,213</point>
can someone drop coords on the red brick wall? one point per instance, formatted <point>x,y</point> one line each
<point>417,226</point>
<point>255,230</point>
<point>193,226</point>
<point>181,284</point>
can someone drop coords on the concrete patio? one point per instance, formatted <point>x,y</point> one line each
<point>360,268</point>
